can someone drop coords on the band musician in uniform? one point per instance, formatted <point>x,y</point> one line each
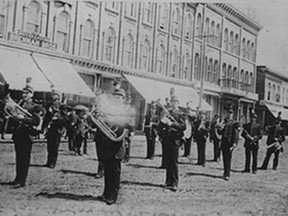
<point>171,130</point>
<point>188,133</point>
<point>252,133</point>
<point>201,133</point>
<point>275,139</point>
<point>215,137</point>
<point>230,138</point>
<point>25,127</point>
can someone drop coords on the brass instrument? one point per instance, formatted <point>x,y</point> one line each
<point>167,114</point>
<point>14,110</point>
<point>250,138</point>
<point>108,130</point>
<point>276,146</point>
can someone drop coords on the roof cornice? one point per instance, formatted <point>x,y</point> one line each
<point>272,73</point>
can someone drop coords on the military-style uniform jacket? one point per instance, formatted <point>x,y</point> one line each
<point>230,133</point>
<point>275,132</point>
<point>201,132</point>
<point>176,130</point>
<point>251,131</point>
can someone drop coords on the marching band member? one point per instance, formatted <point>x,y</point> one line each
<point>230,137</point>
<point>188,133</point>
<point>54,127</point>
<point>201,133</point>
<point>275,138</point>
<point>23,133</point>
<point>252,133</point>
<point>150,130</point>
<point>171,129</point>
<point>215,137</point>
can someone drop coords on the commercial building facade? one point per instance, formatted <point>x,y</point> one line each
<point>177,44</point>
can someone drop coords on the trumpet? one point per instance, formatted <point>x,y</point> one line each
<point>14,110</point>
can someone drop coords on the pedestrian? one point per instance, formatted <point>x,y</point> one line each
<point>54,127</point>
<point>252,133</point>
<point>25,123</point>
<point>230,138</point>
<point>171,131</point>
<point>201,134</point>
<point>215,137</point>
<point>275,139</point>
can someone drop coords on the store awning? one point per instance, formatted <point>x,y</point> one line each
<point>16,66</point>
<point>63,76</point>
<point>153,90</point>
<point>275,111</point>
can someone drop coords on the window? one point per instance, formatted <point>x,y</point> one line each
<point>235,78</point>
<point>147,12</point>
<point>248,50</point>
<point>145,56</point>
<point>229,76</point>
<point>112,6</point>
<point>269,92</point>
<point>231,41</point>
<point>242,79</point>
<point>174,64</point>
<point>283,95</point>
<point>62,32</point>
<point>218,35</point>
<point>128,55</point>
<point>110,45</point>
<point>197,67</point>
<point>130,9</point>
<point>176,22</point>
<point>287,96</point>
<point>212,29</point>
<point>189,27</point>
<point>278,94</point>
<point>236,44</point>
<point>226,37</point>
<point>224,76</point>
<point>243,47</point>
<point>33,18</point>
<point>251,82</point>
<point>88,31</point>
<point>160,59</point>
<point>163,16</point>
<point>252,52</point>
<point>207,29</point>
<point>209,70</point>
<point>2,25</point>
<point>246,81</point>
<point>199,25</point>
<point>274,93</point>
<point>187,66</point>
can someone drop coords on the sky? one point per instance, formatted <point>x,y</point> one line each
<point>272,47</point>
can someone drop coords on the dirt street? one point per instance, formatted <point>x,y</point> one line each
<point>71,189</point>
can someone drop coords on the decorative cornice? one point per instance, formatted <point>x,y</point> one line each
<point>272,73</point>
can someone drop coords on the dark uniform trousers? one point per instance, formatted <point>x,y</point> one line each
<point>227,156</point>
<point>201,149</point>
<point>267,158</point>
<point>151,142</point>
<point>164,154</point>
<point>251,150</point>
<point>187,146</point>
<point>216,149</point>
<point>53,142</point>
<point>171,161</point>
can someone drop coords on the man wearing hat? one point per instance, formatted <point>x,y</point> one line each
<point>230,137</point>
<point>22,134</point>
<point>53,124</point>
<point>252,133</point>
<point>171,130</point>
<point>275,138</point>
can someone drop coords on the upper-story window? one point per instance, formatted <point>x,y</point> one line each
<point>213,33</point>
<point>197,67</point>
<point>246,80</point>
<point>62,37</point>
<point>199,25</point>
<point>231,41</point>
<point>286,96</point>
<point>174,63</point>
<point>176,21</point>
<point>236,44</point>
<point>33,18</point>
<point>243,47</point>
<point>274,92</point>
<point>112,5</point>
<point>147,12</point>
<point>163,16</point>
<point>226,38</point>
<point>218,35</point>
<point>251,82</point>
<point>252,52</point>
<point>207,29</point>
<point>160,59</point>
<point>269,92</point>
<point>224,74</point>
<point>2,17</point>
<point>215,72</point>
<point>145,55</point>
<point>131,9</point>
<point>278,96</point>
<point>128,55</point>
<point>88,31</point>
<point>248,50</point>
<point>189,27</point>
<point>110,45</point>
<point>235,78</point>
<point>187,66</point>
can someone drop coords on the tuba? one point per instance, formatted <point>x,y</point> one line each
<point>14,110</point>
<point>108,129</point>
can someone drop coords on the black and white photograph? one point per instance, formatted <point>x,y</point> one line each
<point>143,108</point>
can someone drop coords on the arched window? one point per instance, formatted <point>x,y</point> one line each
<point>243,47</point>
<point>160,59</point>
<point>213,33</point>
<point>251,82</point>
<point>229,76</point>
<point>215,72</point>
<point>278,96</point>
<point>197,67</point>
<point>174,63</point>
<point>199,25</point>
<point>189,27</point>
<point>209,70</point>
<point>246,83</point>
<point>145,56</point>
<point>176,21</point>
<point>231,41</point>
<point>147,12</point>
<point>269,92</point>
<point>242,79</point>
<point>235,78</point>
<point>128,53</point>
<point>131,9</point>
<point>62,37</point>
<point>163,15</point>
<point>236,44</point>
<point>248,50</point>
<point>226,38</point>
<point>224,76</point>
<point>110,45</point>
<point>218,35</point>
<point>252,52</point>
<point>33,18</point>
<point>187,66</point>
<point>274,93</point>
<point>207,29</point>
<point>88,31</point>
<point>2,17</point>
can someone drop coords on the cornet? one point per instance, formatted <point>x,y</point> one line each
<point>14,110</point>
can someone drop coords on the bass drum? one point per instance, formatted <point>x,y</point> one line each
<point>188,131</point>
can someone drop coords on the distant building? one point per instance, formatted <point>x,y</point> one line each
<point>272,88</point>
<point>143,42</point>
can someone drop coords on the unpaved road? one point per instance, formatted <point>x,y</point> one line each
<point>71,189</point>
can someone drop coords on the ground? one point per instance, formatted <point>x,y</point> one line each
<point>71,189</point>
